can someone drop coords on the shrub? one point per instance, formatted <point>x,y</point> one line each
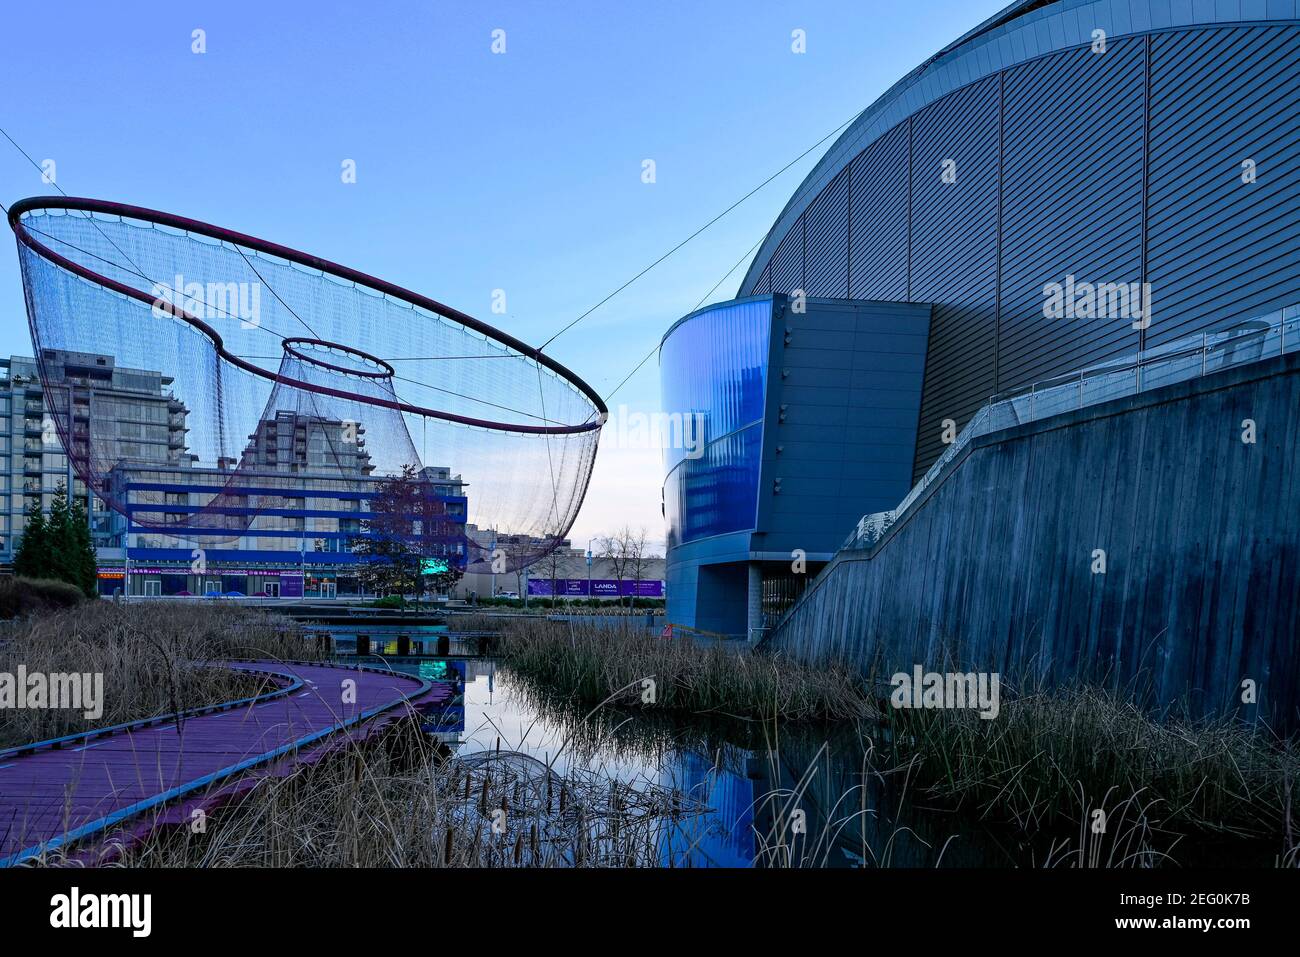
<point>22,597</point>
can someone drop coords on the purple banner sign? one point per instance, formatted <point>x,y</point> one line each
<point>600,588</point>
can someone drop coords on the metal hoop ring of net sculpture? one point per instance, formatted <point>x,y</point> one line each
<point>266,373</point>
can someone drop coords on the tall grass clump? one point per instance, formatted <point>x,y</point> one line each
<point>588,664</point>
<point>151,657</point>
<point>1064,754</point>
<point>370,805</point>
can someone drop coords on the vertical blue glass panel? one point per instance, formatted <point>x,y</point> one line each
<point>716,493</point>
<point>713,366</point>
<point>714,363</point>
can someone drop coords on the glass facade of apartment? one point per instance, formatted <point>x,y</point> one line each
<point>279,522</point>
<point>99,407</point>
<point>299,536</point>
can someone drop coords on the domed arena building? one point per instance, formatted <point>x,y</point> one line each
<point>1065,193</point>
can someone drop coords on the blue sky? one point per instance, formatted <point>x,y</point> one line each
<point>475,171</point>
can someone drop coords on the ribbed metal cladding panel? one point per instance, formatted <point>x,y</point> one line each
<point>787,264</point>
<point>878,219</point>
<point>764,285</point>
<point>1220,249</point>
<point>1075,129</point>
<point>1072,205</point>
<point>826,241</point>
<point>954,255</point>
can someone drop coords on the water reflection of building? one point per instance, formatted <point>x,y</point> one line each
<point>471,669</point>
<point>724,837</point>
<point>446,718</point>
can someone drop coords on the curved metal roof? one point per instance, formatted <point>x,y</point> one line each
<point>1020,32</point>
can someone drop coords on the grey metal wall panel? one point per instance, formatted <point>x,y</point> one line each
<point>878,219</point>
<point>787,264</point>
<point>1220,249</point>
<point>706,583</point>
<point>1072,205</point>
<point>954,253</point>
<point>830,472</point>
<point>826,241</point>
<point>1068,23</point>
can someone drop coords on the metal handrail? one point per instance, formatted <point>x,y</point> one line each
<point>1202,354</point>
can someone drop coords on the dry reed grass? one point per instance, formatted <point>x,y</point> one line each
<point>149,655</point>
<point>1063,755</point>
<point>587,663</point>
<point>379,806</point>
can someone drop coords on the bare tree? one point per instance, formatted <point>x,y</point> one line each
<point>625,551</point>
<point>637,560</point>
<point>552,564</point>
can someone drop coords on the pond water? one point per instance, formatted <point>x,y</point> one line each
<point>749,793</point>
<point>787,796</point>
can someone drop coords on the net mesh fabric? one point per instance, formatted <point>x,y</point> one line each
<point>354,355</point>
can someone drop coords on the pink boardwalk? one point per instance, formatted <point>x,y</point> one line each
<point>60,791</point>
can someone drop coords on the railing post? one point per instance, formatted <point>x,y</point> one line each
<point>1205,348</point>
<point>1081,372</point>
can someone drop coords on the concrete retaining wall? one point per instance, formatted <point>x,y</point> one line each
<point>993,568</point>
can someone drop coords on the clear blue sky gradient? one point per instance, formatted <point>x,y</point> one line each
<point>475,171</point>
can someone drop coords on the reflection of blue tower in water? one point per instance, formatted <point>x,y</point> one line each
<point>446,716</point>
<point>723,837</point>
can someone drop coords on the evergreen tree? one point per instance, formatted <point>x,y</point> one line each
<point>85,562</point>
<point>62,564</point>
<point>32,559</point>
<point>58,547</point>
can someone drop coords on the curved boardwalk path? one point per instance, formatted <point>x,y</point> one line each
<point>58,791</point>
